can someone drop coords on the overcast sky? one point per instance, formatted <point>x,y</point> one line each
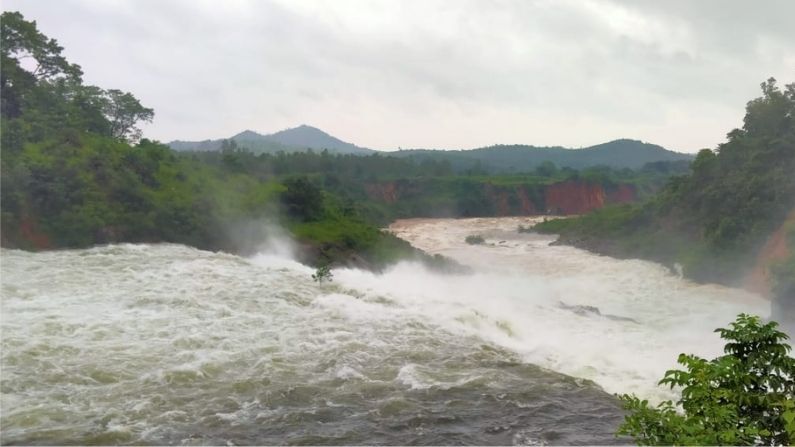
<point>439,74</point>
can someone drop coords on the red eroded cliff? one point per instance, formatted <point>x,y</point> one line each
<point>622,194</point>
<point>527,207</point>
<point>30,233</point>
<point>568,197</point>
<point>499,197</point>
<point>573,197</point>
<point>385,192</point>
<point>775,249</point>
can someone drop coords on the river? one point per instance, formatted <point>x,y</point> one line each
<point>166,344</point>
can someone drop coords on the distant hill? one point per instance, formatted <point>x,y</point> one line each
<point>522,158</point>
<point>297,139</point>
<point>494,159</point>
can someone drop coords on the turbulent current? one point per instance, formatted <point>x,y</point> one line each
<point>165,344</point>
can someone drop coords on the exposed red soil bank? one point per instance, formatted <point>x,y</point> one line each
<point>775,249</point>
<point>569,197</point>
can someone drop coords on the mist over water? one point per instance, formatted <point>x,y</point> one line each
<point>166,344</point>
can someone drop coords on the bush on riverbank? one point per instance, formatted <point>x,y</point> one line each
<point>745,397</point>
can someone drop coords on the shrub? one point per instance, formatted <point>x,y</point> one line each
<point>744,397</point>
<point>323,273</point>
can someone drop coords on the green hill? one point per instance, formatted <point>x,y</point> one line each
<point>623,153</point>
<point>714,221</point>
<point>499,159</point>
<point>297,139</point>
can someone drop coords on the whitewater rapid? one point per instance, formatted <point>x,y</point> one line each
<point>521,280</point>
<point>165,344</point>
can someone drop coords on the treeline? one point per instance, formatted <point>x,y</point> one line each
<point>74,173</point>
<point>384,188</point>
<point>379,167</point>
<point>714,220</point>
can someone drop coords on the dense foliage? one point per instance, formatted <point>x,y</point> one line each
<point>499,159</point>
<point>385,187</point>
<point>745,397</point>
<point>502,159</point>
<point>714,219</point>
<point>74,173</point>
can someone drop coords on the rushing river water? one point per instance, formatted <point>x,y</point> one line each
<point>165,344</point>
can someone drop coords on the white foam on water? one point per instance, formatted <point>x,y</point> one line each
<point>112,336</point>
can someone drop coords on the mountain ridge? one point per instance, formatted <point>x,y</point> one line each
<point>620,153</point>
<point>294,139</point>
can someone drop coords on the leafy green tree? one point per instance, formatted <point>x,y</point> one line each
<point>303,199</point>
<point>21,40</point>
<point>123,111</point>
<point>546,169</point>
<point>323,273</point>
<point>744,397</point>
<point>45,92</point>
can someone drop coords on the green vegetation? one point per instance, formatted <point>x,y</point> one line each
<point>506,159</point>
<point>745,397</point>
<point>494,160</point>
<point>714,219</point>
<point>475,239</point>
<point>383,188</point>
<point>323,274</point>
<point>74,174</point>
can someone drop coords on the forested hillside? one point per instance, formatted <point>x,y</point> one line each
<point>76,173</point>
<point>618,154</point>
<point>499,159</point>
<point>297,139</point>
<point>716,219</point>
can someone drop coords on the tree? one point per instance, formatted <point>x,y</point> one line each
<point>124,111</point>
<point>744,397</point>
<point>303,199</point>
<point>20,40</point>
<point>546,169</point>
<point>323,273</point>
<point>41,87</point>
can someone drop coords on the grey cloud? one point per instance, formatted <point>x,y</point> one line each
<point>434,73</point>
